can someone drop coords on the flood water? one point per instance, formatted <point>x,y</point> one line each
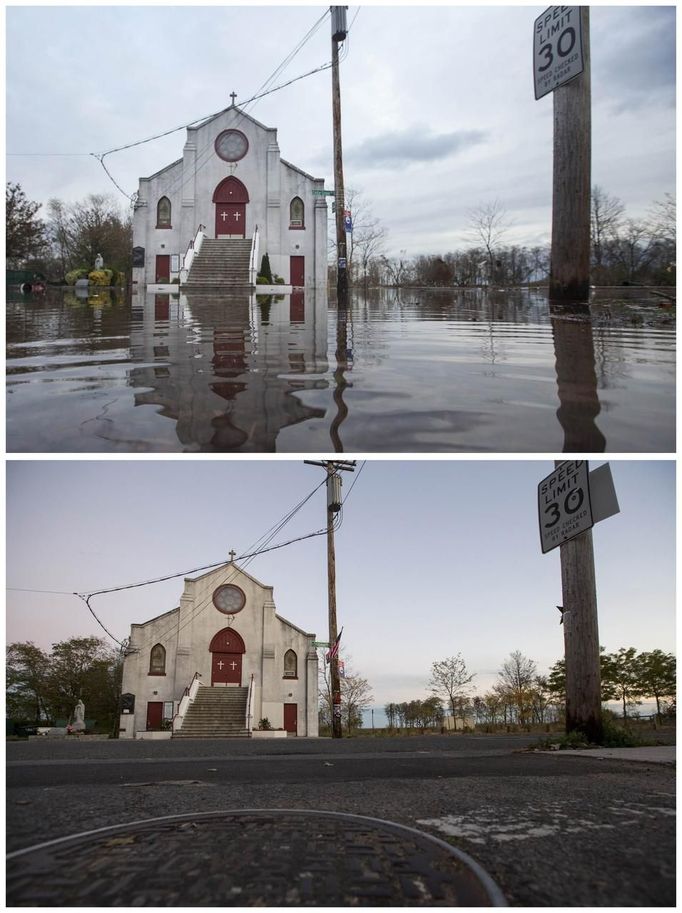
<point>397,371</point>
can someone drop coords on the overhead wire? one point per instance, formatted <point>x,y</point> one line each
<point>261,93</point>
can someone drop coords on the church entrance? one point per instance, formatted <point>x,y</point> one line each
<point>230,198</point>
<point>227,649</point>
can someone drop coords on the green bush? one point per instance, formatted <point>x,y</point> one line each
<point>264,724</point>
<point>75,274</point>
<point>101,277</point>
<point>265,269</point>
<point>278,280</point>
<point>262,280</point>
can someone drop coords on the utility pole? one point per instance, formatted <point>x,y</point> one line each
<point>581,636</point>
<point>338,35</point>
<point>569,278</point>
<point>333,506</point>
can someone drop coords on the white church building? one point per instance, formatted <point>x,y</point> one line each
<point>219,664</point>
<point>231,189</point>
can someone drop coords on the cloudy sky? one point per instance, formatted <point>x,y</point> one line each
<point>433,557</point>
<point>439,114</point>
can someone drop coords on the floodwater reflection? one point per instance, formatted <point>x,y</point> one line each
<point>410,371</point>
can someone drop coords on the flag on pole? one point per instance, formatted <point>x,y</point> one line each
<point>331,653</point>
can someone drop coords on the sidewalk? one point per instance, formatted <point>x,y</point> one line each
<point>656,754</point>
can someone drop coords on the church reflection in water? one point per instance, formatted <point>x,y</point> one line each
<point>224,367</point>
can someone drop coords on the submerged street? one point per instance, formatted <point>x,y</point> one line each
<point>550,829</point>
<point>415,370</point>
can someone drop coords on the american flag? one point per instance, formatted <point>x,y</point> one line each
<point>331,653</point>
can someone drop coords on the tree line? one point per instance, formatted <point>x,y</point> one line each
<point>69,237</point>
<point>45,686</point>
<point>624,251</point>
<point>523,698</point>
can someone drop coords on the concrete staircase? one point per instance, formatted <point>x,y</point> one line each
<point>220,264</point>
<point>215,713</point>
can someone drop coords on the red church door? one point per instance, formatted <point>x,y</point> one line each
<point>154,714</point>
<point>297,271</point>
<point>230,197</point>
<point>227,649</point>
<point>291,718</point>
<point>163,268</point>
<point>226,669</point>
<point>230,219</point>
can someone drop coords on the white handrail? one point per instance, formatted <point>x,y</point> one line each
<point>193,249</point>
<point>249,707</point>
<point>253,260</point>
<point>186,700</point>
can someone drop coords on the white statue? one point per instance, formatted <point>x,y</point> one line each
<point>79,717</point>
<point>99,261</point>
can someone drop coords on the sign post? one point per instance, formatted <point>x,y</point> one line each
<point>561,64</point>
<point>566,518</point>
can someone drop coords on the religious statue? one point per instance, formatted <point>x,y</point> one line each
<point>99,261</point>
<point>79,717</point>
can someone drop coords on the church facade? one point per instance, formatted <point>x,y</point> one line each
<point>225,634</point>
<point>232,184</point>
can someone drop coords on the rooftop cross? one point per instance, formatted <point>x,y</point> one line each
<point>232,554</point>
<point>233,95</point>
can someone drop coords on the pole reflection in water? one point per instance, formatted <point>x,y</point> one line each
<point>576,378</point>
<point>343,356</point>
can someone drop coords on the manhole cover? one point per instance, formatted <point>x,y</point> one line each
<point>271,857</point>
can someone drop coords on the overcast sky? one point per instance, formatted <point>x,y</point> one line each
<point>439,113</point>
<point>433,557</point>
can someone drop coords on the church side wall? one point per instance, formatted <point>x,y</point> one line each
<point>158,241</point>
<point>136,670</point>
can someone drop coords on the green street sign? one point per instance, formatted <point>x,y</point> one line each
<point>324,193</point>
<point>320,643</point>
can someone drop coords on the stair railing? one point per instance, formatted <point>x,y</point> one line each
<point>193,249</point>
<point>253,259</point>
<point>188,696</point>
<point>249,707</point>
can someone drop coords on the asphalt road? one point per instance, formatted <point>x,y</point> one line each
<point>551,830</point>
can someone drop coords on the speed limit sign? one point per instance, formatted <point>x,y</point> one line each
<point>564,505</point>
<point>557,48</point>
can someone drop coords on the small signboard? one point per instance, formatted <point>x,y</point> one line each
<point>323,193</point>
<point>564,506</point>
<point>320,643</point>
<point>347,220</point>
<point>557,48</point>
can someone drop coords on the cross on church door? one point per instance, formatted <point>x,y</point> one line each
<point>226,669</point>
<point>230,219</point>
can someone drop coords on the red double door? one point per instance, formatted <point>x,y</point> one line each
<point>230,198</point>
<point>227,650</point>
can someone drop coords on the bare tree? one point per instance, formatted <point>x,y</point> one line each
<point>356,696</point>
<point>516,682</point>
<point>488,224</point>
<point>449,680</point>
<point>606,215</point>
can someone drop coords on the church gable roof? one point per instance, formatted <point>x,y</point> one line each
<point>300,171</point>
<point>150,621</point>
<point>236,110</point>
<point>222,567</point>
<point>291,625</point>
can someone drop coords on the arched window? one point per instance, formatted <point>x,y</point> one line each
<point>296,213</point>
<point>290,664</point>
<point>157,660</point>
<point>163,213</point>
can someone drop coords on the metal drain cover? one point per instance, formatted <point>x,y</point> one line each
<point>244,858</point>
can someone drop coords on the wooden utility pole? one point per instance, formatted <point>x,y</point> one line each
<point>339,34</point>
<point>569,278</point>
<point>333,506</point>
<point>581,636</point>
